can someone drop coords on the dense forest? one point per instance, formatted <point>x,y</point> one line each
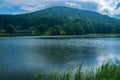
<point>60,20</point>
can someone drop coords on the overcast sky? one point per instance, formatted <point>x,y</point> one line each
<point>108,7</point>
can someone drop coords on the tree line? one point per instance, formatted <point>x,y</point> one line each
<point>56,25</point>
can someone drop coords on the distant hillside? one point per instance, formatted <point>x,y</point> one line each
<point>71,13</point>
<point>62,16</point>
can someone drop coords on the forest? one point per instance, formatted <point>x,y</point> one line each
<point>61,21</point>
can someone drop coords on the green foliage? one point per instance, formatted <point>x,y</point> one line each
<point>107,71</point>
<point>10,29</point>
<point>62,32</point>
<point>42,28</point>
<point>54,31</point>
<point>78,75</point>
<point>62,21</point>
<point>1,26</point>
<point>74,27</point>
<point>54,76</point>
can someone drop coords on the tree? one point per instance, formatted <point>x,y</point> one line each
<point>1,26</point>
<point>114,31</point>
<point>62,32</point>
<point>54,31</point>
<point>42,28</point>
<point>10,29</point>
<point>74,27</point>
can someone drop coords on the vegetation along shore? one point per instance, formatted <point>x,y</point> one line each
<point>107,71</point>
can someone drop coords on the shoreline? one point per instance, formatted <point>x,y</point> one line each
<point>107,71</point>
<point>65,36</point>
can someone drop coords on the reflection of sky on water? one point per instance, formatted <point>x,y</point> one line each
<point>110,50</point>
<point>113,57</point>
<point>25,55</point>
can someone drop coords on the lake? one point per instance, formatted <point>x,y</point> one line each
<point>21,58</point>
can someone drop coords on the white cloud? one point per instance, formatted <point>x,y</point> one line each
<point>33,6</point>
<point>110,6</point>
<point>72,4</point>
<point>28,5</point>
<point>107,7</point>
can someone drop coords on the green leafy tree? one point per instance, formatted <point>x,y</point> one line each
<point>62,32</point>
<point>114,31</point>
<point>42,28</point>
<point>10,29</point>
<point>1,26</point>
<point>53,31</point>
<point>74,27</point>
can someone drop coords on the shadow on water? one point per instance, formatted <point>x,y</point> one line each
<point>16,76</point>
<point>61,54</point>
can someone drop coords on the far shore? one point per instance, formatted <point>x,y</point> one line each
<point>67,36</point>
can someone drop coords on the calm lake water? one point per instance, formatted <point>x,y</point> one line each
<point>21,58</point>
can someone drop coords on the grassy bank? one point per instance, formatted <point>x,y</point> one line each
<point>82,36</point>
<point>103,35</point>
<point>106,71</point>
<point>10,35</point>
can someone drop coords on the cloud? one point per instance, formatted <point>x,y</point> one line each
<point>31,5</point>
<point>89,5</point>
<point>107,7</point>
<point>28,5</point>
<point>86,5</point>
<point>118,6</point>
<point>73,4</point>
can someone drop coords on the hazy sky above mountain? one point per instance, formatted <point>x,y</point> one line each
<point>108,7</point>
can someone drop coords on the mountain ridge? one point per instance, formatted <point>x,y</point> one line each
<point>60,11</point>
<point>62,15</point>
<point>46,10</point>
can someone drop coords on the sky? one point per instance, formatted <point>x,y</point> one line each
<point>106,7</point>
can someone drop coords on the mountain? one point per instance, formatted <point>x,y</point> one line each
<point>58,16</point>
<point>71,13</point>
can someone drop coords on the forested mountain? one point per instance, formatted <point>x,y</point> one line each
<point>61,20</point>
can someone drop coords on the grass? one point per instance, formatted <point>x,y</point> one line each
<point>107,71</point>
<point>7,35</point>
<point>86,35</point>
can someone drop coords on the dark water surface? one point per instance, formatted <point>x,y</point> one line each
<point>23,57</point>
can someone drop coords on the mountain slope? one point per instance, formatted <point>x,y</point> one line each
<point>71,13</point>
<point>62,16</point>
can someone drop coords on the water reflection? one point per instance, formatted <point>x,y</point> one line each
<point>58,53</point>
<point>23,57</point>
<point>112,57</point>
